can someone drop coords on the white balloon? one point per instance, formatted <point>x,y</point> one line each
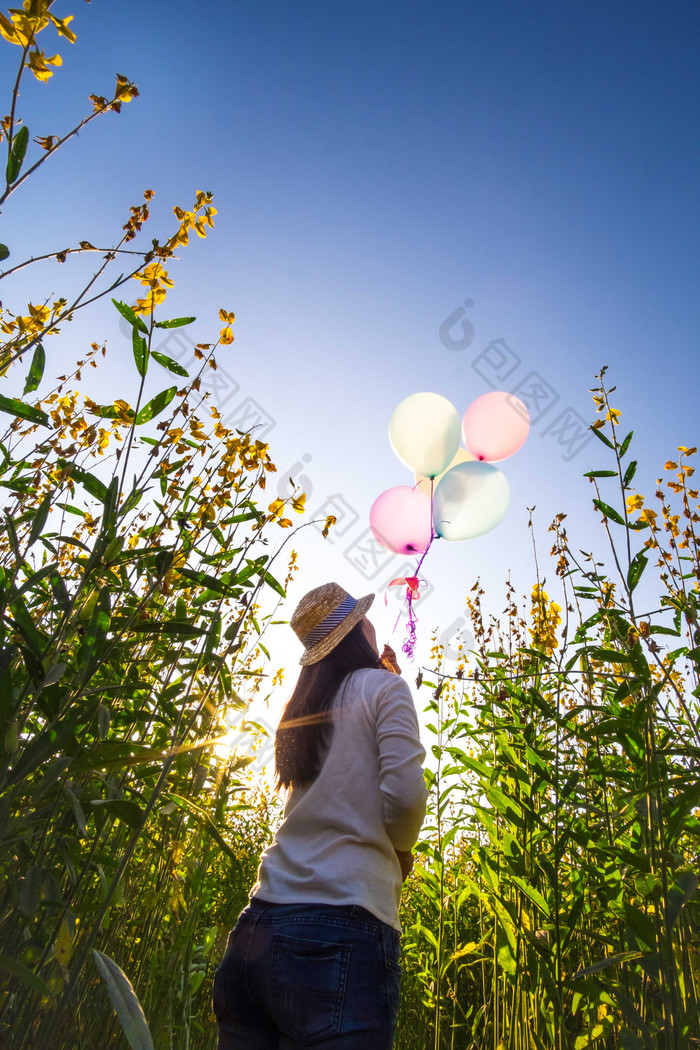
<point>425,432</point>
<point>471,499</point>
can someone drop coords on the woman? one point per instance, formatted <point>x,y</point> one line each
<point>315,957</point>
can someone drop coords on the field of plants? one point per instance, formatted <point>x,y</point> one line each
<point>553,903</point>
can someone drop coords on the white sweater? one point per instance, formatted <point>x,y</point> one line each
<point>336,842</point>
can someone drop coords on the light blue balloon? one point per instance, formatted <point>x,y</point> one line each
<point>470,499</point>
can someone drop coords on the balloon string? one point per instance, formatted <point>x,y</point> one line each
<point>409,644</point>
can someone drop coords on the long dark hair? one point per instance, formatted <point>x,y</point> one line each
<point>303,734</point>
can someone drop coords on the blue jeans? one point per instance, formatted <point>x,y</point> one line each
<point>298,975</point>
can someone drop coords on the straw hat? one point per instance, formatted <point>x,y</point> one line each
<point>323,617</point>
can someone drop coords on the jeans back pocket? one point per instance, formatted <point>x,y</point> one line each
<point>309,979</point>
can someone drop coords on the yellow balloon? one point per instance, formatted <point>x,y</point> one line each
<point>461,456</point>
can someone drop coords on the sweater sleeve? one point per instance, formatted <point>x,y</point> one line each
<point>401,756</point>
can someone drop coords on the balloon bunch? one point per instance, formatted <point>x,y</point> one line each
<point>458,494</point>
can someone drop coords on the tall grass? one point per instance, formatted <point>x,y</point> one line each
<point>136,586</point>
<point>556,903</point>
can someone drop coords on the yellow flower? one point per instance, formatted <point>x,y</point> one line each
<point>226,316</point>
<point>147,306</point>
<point>649,516</point>
<point>48,143</point>
<point>39,64</point>
<point>298,503</point>
<point>276,509</point>
<point>124,411</point>
<point>613,414</point>
<point>635,502</point>
<point>61,25</point>
<point>154,275</point>
<point>40,314</point>
<point>125,90</point>
<point>330,520</point>
<point>546,619</point>
<point>226,336</point>
<point>21,30</point>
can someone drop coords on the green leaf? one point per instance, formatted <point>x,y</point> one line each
<point>177,628</point>
<point>26,627</point>
<point>156,405</point>
<point>683,889</point>
<point>54,674</point>
<point>17,969</point>
<point>96,633</point>
<point>600,474</point>
<point>18,408</point>
<point>36,370</point>
<point>30,892</point>
<point>602,437</point>
<point>140,352</point>
<point>16,157</point>
<point>637,567</point>
<point>205,820</point>
<point>626,443</point>
<point>59,591</point>
<point>106,412</point>
<point>110,506</point>
<point>90,483</point>
<point>609,511</point>
<point>272,582</point>
<point>629,473</point>
<point>4,252</point>
<point>78,810</point>
<point>131,317</point>
<point>205,580</point>
<point>641,925</point>
<point>507,806</point>
<point>116,754</point>
<point>125,1002</point>
<point>47,745</point>
<point>167,362</point>
<point>40,518</point>
<point>251,569</point>
<point>610,656</point>
<point>603,964</point>
<point>177,322</point>
<point>534,895</point>
<point>103,720</point>
<point>122,809</point>
<point>31,581</point>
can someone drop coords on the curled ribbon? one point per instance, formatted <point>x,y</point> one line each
<point>412,584</point>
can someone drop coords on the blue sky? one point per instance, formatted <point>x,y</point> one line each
<point>374,166</point>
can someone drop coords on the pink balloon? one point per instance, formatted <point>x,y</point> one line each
<point>400,519</point>
<point>495,426</point>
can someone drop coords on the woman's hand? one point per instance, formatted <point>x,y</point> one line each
<point>406,862</point>
<point>388,660</point>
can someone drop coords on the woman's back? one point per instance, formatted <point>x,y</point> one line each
<point>339,835</point>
